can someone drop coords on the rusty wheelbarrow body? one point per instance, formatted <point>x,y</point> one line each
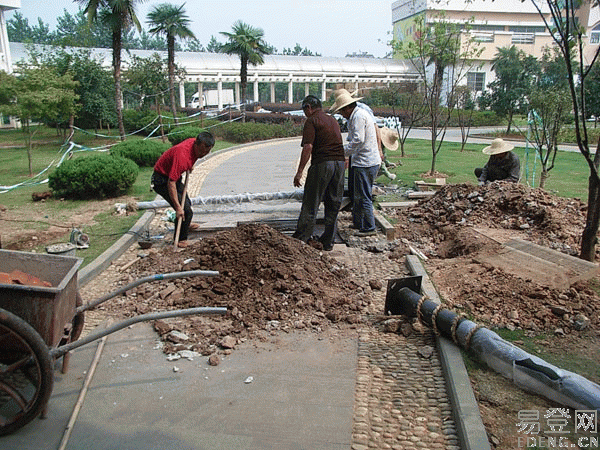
<point>39,324</point>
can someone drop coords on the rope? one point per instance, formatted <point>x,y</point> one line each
<point>470,335</point>
<point>455,322</point>
<point>419,313</point>
<point>434,318</point>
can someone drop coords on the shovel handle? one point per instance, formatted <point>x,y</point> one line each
<point>178,230</point>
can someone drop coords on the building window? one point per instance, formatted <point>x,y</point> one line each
<point>595,35</point>
<point>476,81</point>
<point>523,38</point>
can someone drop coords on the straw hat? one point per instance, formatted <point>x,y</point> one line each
<point>342,98</point>
<point>498,146</point>
<point>389,138</point>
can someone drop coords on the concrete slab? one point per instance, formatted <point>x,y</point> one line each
<point>301,397</point>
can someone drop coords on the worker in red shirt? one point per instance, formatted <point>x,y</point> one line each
<point>168,171</point>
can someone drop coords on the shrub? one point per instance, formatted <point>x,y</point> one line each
<point>95,176</point>
<point>183,133</point>
<point>249,132</point>
<point>144,153</point>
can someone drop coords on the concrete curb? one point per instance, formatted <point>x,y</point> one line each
<point>470,428</point>
<point>94,268</point>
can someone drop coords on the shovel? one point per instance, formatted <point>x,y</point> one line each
<point>178,230</point>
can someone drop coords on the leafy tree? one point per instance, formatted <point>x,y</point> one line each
<point>120,16</point>
<point>246,42</point>
<point>569,37</point>
<point>214,46</point>
<point>149,77</point>
<point>94,86</point>
<point>194,45</point>
<point>171,21</point>
<point>37,94</point>
<point>147,41</point>
<point>550,108</point>
<point>515,72</point>
<point>299,51</point>
<point>592,92</point>
<point>19,30</point>
<point>442,58</point>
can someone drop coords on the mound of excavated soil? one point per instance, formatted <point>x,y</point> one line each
<point>267,281</point>
<point>444,228</point>
<point>534,214</point>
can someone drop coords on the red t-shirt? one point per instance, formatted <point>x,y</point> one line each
<point>177,159</point>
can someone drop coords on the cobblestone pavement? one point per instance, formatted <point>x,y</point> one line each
<point>400,400</point>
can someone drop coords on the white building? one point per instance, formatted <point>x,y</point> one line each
<point>496,24</point>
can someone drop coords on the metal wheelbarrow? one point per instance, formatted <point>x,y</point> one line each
<point>40,324</point>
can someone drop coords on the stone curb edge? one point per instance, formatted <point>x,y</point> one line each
<point>471,431</point>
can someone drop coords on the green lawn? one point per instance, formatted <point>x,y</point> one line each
<point>569,178</point>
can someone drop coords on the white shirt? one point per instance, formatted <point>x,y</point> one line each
<point>361,143</point>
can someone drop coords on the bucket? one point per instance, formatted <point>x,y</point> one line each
<point>64,249</point>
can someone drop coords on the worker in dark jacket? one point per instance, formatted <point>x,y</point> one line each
<point>502,165</point>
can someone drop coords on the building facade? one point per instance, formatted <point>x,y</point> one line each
<point>495,24</point>
<point>5,55</point>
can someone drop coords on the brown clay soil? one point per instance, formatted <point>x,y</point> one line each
<point>267,281</point>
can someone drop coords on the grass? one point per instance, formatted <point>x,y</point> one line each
<point>569,177</point>
<point>14,169</point>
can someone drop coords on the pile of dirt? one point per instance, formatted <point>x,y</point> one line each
<point>444,227</point>
<point>535,214</point>
<point>267,281</point>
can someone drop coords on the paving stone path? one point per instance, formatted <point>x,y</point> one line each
<point>400,401</point>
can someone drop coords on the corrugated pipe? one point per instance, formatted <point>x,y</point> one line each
<point>225,199</point>
<point>527,371</point>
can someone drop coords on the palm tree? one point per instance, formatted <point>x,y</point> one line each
<point>247,42</point>
<point>171,21</point>
<point>120,16</point>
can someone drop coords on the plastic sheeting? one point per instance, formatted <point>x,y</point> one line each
<point>226,199</point>
<point>527,371</point>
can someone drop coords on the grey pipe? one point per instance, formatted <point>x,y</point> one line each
<point>226,199</point>
<point>157,277</point>
<point>63,349</point>
<point>527,371</point>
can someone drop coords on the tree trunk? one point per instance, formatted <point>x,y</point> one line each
<point>589,236</point>
<point>510,116</point>
<point>590,232</point>
<point>543,177</point>
<point>243,83</point>
<point>117,44</point>
<point>171,64</point>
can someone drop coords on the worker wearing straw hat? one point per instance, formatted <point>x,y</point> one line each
<point>363,150</point>
<point>502,165</point>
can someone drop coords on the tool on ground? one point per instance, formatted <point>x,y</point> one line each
<point>178,230</point>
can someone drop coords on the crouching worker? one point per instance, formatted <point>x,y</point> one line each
<point>502,165</point>
<point>168,171</point>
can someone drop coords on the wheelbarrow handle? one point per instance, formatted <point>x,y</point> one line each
<point>157,277</point>
<point>63,349</point>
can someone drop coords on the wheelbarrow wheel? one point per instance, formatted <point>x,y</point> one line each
<point>26,373</point>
